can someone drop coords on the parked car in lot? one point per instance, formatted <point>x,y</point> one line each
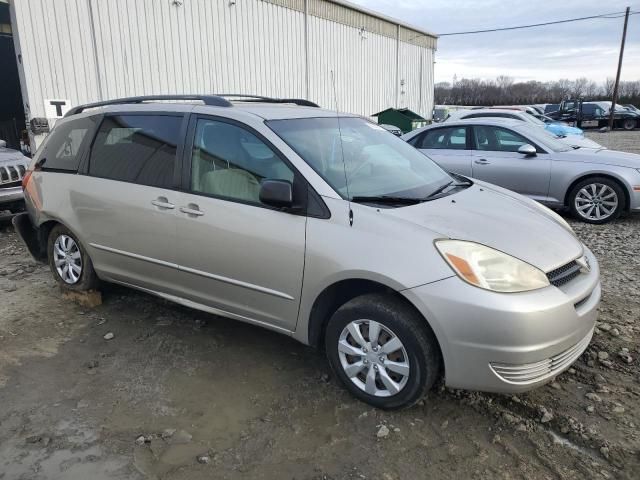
<point>596,185</point>
<point>409,272</point>
<point>632,108</point>
<point>572,136</point>
<point>392,128</point>
<point>551,107</point>
<point>13,165</point>
<point>595,115</point>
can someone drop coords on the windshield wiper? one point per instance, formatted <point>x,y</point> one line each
<point>441,189</point>
<point>463,181</point>
<point>387,199</point>
<point>466,183</point>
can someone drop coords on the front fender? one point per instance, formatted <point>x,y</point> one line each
<point>564,175</point>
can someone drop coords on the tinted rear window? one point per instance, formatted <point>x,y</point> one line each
<point>137,149</point>
<point>63,147</point>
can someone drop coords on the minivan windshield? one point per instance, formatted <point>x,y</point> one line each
<point>376,162</point>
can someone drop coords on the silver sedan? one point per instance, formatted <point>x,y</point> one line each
<point>597,185</point>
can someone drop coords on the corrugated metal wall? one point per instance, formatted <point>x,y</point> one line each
<point>364,74</point>
<point>88,50</point>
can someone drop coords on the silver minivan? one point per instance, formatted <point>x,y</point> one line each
<point>318,225</point>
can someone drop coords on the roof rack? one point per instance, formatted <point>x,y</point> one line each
<point>214,100</point>
<point>257,98</point>
<point>217,100</point>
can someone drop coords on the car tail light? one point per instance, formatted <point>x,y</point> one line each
<point>26,178</point>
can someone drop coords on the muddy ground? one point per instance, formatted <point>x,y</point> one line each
<point>179,394</point>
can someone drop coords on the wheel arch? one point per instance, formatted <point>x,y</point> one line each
<point>339,293</point>
<point>614,178</point>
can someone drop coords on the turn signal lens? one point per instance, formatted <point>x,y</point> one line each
<point>491,269</point>
<point>26,178</point>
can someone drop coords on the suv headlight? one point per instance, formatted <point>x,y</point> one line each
<point>490,269</point>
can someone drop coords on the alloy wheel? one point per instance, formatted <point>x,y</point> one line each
<point>67,259</point>
<point>374,358</point>
<point>596,201</point>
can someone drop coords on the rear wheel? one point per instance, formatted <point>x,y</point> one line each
<point>596,200</point>
<point>69,262</point>
<point>629,124</point>
<point>382,351</point>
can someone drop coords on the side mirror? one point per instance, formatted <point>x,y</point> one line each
<point>3,144</point>
<point>276,193</point>
<point>527,150</point>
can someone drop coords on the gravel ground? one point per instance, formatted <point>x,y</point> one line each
<point>617,140</point>
<point>179,394</point>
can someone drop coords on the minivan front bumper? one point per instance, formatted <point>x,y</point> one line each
<point>511,342</point>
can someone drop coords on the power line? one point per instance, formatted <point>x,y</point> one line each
<point>604,15</point>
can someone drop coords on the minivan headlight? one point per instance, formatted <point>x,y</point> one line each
<point>490,269</point>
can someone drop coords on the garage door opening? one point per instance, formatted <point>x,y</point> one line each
<point>12,117</point>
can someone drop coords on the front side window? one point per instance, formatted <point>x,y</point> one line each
<point>444,138</point>
<point>230,162</point>
<point>376,162</point>
<point>498,139</point>
<point>136,148</point>
<point>61,149</point>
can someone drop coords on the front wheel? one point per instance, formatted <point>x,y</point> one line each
<point>382,351</point>
<point>629,124</point>
<point>596,200</point>
<point>69,261</point>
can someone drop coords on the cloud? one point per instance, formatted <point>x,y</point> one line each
<point>580,49</point>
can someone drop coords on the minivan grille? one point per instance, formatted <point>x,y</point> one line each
<point>564,274</point>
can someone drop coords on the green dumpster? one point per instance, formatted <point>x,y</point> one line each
<point>403,118</point>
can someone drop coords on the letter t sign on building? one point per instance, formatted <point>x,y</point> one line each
<point>56,107</point>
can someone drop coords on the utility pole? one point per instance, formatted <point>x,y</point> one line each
<point>615,87</point>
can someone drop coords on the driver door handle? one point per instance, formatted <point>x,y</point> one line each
<point>163,203</point>
<point>482,161</point>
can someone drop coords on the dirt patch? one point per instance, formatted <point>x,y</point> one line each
<point>179,394</point>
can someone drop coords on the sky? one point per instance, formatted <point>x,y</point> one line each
<point>580,49</point>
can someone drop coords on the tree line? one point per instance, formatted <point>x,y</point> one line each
<point>505,91</point>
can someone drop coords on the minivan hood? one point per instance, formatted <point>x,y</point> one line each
<point>500,219</point>
<point>602,156</point>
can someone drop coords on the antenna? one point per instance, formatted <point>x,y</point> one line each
<point>344,165</point>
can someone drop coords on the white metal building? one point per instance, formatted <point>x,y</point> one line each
<point>78,51</point>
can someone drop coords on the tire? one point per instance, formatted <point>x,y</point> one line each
<point>82,280</point>
<point>419,350</point>
<point>596,194</point>
<point>629,124</point>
